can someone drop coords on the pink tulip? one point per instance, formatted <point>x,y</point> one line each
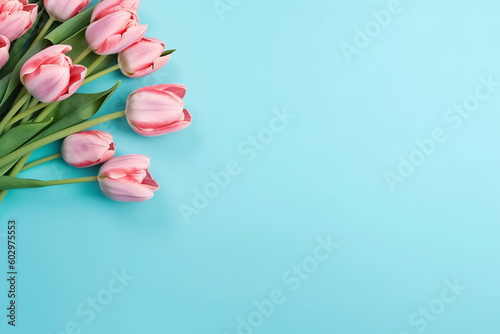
<point>16,18</point>
<point>63,10</point>
<point>115,32</point>
<point>107,7</point>
<point>143,58</point>
<point>50,76</point>
<point>4,50</point>
<point>127,179</point>
<point>88,148</point>
<point>157,110</point>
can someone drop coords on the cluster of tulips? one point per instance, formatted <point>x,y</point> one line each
<point>48,50</point>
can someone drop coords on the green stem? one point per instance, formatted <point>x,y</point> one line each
<point>82,56</point>
<point>27,112</point>
<point>41,161</point>
<point>13,156</point>
<point>40,183</point>
<point>12,112</point>
<point>44,31</point>
<point>102,73</point>
<point>96,63</point>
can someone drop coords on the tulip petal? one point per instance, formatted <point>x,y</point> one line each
<point>63,10</point>
<point>158,63</point>
<point>15,25</point>
<point>88,148</point>
<point>34,62</point>
<point>77,76</point>
<point>156,109</point>
<point>121,166</point>
<point>174,127</point>
<point>177,89</point>
<point>125,189</point>
<point>107,7</point>
<point>48,82</point>
<point>118,43</point>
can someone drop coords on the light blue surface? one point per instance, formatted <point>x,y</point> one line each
<point>323,174</point>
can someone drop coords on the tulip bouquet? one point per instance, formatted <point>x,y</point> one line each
<point>48,50</point>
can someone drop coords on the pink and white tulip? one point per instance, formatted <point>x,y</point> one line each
<point>16,18</point>
<point>88,148</point>
<point>4,50</point>
<point>157,110</point>
<point>107,7</point>
<point>50,76</point>
<point>127,179</point>
<point>115,32</point>
<point>143,58</point>
<point>63,10</point>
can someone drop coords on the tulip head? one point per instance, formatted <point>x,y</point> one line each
<point>115,32</point>
<point>143,58</point>
<point>88,148</point>
<point>4,50</point>
<point>16,18</point>
<point>50,76</point>
<point>157,110</point>
<point>107,7</point>
<point>127,179</point>
<point>63,10</point>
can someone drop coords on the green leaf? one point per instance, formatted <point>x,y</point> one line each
<point>167,52</point>
<point>5,169</point>
<point>74,110</point>
<point>70,27</point>
<point>19,135</point>
<point>4,83</point>
<point>11,182</point>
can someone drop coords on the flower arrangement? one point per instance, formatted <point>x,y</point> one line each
<point>48,50</point>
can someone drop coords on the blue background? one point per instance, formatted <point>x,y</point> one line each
<point>323,175</point>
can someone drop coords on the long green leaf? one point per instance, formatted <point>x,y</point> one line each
<point>6,168</point>
<point>19,135</point>
<point>74,110</point>
<point>70,27</point>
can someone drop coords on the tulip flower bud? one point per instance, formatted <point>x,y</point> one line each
<point>16,18</point>
<point>143,58</point>
<point>63,10</point>
<point>4,50</point>
<point>50,76</point>
<point>88,148</point>
<point>127,179</point>
<point>114,32</point>
<point>107,7</point>
<point>157,110</point>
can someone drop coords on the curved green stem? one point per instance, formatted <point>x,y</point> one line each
<point>82,56</point>
<point>44,31</point>
<point>12,112</point>
<point>29,183</point>
<point>102,73</point>
<point>13,156</point>
<point>41,161</point>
